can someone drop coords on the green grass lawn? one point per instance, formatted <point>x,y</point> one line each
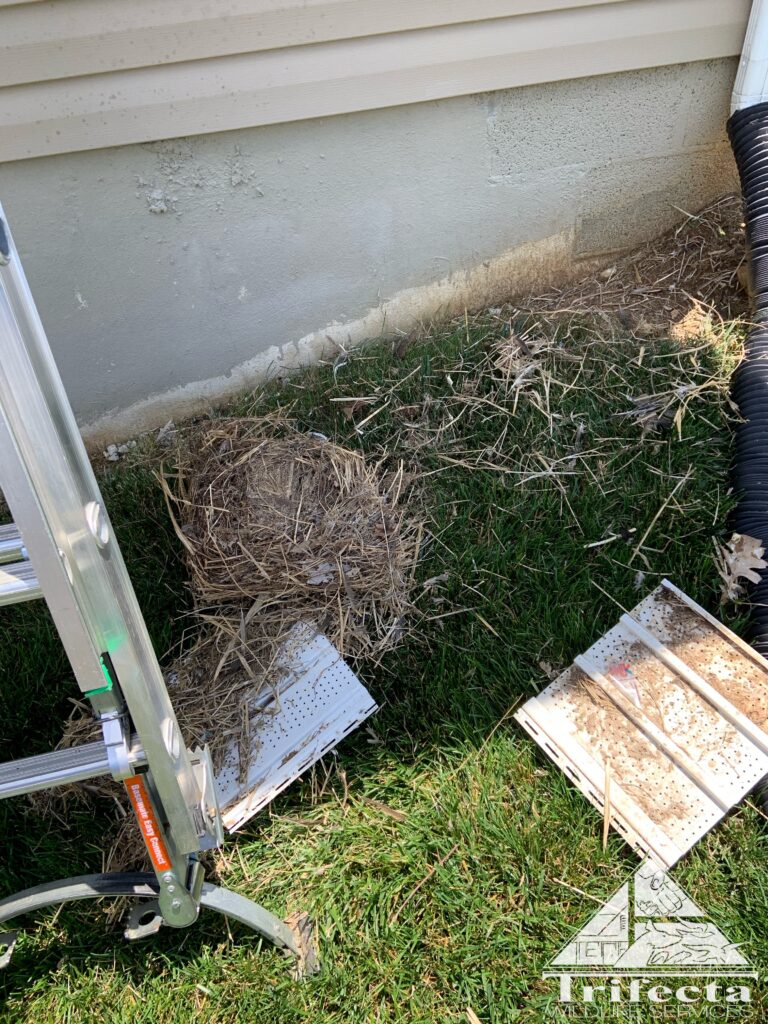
<point>441,856</point>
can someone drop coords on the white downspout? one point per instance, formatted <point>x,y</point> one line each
<point>751,85</point>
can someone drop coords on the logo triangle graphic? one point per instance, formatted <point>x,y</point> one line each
<point>603,939</point>
<point>649,922</point>
<point>657,895</point>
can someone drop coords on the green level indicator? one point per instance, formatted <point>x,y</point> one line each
<point>108,670</point>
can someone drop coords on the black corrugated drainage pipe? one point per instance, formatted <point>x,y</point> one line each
<point>748,132</point>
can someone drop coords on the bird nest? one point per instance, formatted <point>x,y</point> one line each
<point>282,527</point>
<point>286,520</point>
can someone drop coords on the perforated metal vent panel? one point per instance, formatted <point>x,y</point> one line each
<point>671,706</point>
<point>318,701</point>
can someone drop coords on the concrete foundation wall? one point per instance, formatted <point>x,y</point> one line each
<point>169,274</point>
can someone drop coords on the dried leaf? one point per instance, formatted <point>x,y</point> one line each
<point>695,324</point>
<point>739,559</point>
<point>350,408</point>
<point>516,358</point>
<point>323,573</point>
<point>435,581</point>
<point>549,670</point>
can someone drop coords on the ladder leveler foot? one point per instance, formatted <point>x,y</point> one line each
<point>294,937</point>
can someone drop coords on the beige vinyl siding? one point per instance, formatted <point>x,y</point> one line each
<point>77,37</point>
<point>84,74</point>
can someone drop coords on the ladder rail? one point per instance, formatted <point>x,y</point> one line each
<point>50,487</point>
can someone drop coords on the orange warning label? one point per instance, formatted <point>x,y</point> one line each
<point>150,828</point>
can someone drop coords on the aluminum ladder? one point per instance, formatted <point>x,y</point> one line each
<point>61,547</point>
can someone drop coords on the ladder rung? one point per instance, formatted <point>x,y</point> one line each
<point>11,545</point>
<point>18,583</point>
<point>72,764</point>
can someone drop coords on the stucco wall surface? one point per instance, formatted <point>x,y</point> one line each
<point>169,274</point>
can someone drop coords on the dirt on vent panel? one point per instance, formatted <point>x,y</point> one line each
<point>668,705</point>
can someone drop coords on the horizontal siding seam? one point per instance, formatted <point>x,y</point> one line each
<point>325,79</point>
<point>84,37</point>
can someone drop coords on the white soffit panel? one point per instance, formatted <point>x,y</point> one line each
<point>663,718</point>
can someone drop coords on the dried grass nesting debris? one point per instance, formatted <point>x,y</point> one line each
<point>288,519</point>
<point>280,527</point>
<point>692,272</point>
<point>685,288</point>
